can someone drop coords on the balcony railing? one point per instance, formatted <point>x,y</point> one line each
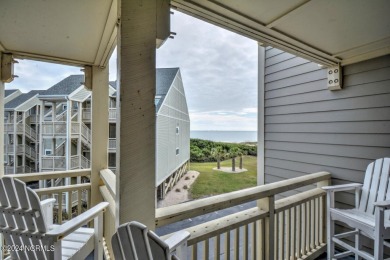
<point>84,131</point>
<point>87,115</point>
<point>111,144</point>
<point>34,118</point>
<point>288,228</point>
<point>30,132</point>
<point>292,227</point>
<point>78,195</point>
<point>112,114</point>
<point>53,163</point>
<point>20,149</point>
<point>9,149</point>
<point>79,161</point>
<point>9,169</point>
<point>53,128</point>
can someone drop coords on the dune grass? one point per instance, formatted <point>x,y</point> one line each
<point>211,182</point>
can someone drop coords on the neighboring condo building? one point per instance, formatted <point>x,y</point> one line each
<point>49,130</point>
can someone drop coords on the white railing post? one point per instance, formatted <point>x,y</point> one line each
<point>1,143</point>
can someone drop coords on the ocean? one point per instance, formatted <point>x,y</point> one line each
<point>226,136</point>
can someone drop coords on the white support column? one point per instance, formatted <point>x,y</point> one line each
<point>68,149</point>
<point>136,126</point>
<point>1,133</point>
<point>24,141</point>
<point>260,116</point>
<point>15,144</point>
<point>1,144</point>
<point>41,145</point>
<point>99,155</point>
<point>79,146</point>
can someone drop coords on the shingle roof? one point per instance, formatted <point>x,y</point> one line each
<point>9,92</point>
<point>65,86</point>
<point>164,79</point>
<point>112,84</point>
<point>14,103</point>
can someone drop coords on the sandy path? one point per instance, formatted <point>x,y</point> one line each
<point>173,197</point>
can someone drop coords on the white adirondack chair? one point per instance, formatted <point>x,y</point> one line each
<point>134,241</point>
<point>368,218</point>
<point>27,226</point>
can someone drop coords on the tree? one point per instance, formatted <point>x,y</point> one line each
<point>241,153</point>
<point>233,152</point>
<point>218,153</point>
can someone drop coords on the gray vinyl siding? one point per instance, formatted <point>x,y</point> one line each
<point>309,128</point>
<point>172,113</point>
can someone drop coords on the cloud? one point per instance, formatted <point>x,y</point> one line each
<point>226,122</point>
<point>218,67</point>
<point>39,75</point>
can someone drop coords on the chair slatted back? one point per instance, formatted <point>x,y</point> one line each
<point>134,241</point>
<point>375,186</point>
<point>21,218</point>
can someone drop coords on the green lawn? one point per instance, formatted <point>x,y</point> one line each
<point>212,182</point>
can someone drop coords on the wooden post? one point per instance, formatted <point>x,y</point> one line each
<point>24,141</point>
<point>15,141</point>
<point>269,230</point>
<point>260,116</point>
<point>99,155</point>
<point>1,143</point>
<point>1,132</point>
<point>136,127</point>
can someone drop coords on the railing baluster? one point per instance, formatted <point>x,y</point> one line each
<point>206,249</point>
<point>278,235</point>
<point>299,230</point>
<point>79,194</point>
<point>316,218</point>
<point>308,225</point>
<point>245,243</point>
<point>322,220</point>
<point>227,245</point>
<point>288,234</point>
<point>237,244</point>
<point>254,243</point>
<point>195,251</point>
<point>312,226</point>
<point>59,207</point>
<point>70,202</point>
<point>217,247</point>
<point>292,233</point>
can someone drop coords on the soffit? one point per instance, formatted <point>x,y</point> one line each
<point>327,32</point>
<point>72,31</point>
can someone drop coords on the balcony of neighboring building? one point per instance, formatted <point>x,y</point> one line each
<point>21,128</point>
<point>87,116</point>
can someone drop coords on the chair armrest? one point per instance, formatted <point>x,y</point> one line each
<point>73,224</point>
<point>343,187</point>
<point>46,202</point>
<point>385,204</point>
<point>47,209</point>
<point>177,239</point>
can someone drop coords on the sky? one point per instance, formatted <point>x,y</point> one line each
<point>218,68</point>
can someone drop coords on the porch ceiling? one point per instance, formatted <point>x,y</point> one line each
<point>327,32</point>
<point>84,32</point>
<point>72,31</point>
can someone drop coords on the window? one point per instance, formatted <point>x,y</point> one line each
<point>177,151</point>
<point>47,151</point>
<point>177,130</point>
<point>156,100</point>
